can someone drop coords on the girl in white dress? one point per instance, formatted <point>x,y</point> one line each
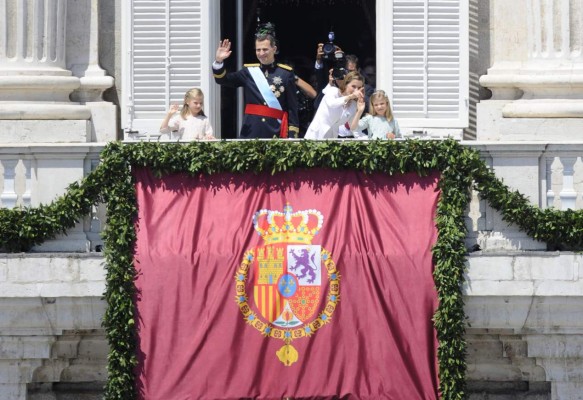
<point>337,107</point>
<point>380,123</point>
<point>191,123</point>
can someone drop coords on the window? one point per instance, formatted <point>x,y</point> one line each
<point>425,62</point>
<point>164,56</point>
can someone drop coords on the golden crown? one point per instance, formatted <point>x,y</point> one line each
<point>288,226</point>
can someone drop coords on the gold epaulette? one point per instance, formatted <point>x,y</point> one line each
<point>251,65</point>
<point>285,66</point>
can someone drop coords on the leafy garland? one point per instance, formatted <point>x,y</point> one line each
<point>111,182</point>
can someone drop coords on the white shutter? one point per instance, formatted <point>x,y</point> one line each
<point>429,81</point>
<point>164,59</point>
<point>185,48</point>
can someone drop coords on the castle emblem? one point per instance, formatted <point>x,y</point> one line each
<point>287,288</point>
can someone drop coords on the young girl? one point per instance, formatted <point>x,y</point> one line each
<point>337,107</point>
<point>380,122</point>
<point>191,123</point>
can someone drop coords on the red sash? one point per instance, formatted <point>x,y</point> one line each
<point>264,111</point>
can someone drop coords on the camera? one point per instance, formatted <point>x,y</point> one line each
<point>334,59</point>
<point>339,70</point>
<point>329,48</point>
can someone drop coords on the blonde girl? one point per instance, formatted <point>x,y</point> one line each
<point>337,107</point>
<point>191,123</point>
<point>380,122</point>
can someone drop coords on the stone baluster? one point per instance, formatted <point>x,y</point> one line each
<point>549,181</point>
<point>9,195</point>
<point>95,220</point>
<point>26,195</point>
<point>34,82</point>
<point>568,195</point>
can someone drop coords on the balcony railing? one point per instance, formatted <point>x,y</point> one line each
<point>550,174</point>
<point>31,175</point>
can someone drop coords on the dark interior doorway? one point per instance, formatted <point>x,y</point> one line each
<point>300,26</point>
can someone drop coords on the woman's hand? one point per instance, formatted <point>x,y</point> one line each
<point>356,95</point>
<point>223,51</point>
<point>390,135</point>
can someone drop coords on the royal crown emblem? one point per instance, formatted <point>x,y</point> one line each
<point>281,284</point>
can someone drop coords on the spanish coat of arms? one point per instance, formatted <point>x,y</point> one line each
<point>280,285</point>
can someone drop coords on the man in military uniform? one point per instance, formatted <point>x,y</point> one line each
<point>271,106</point>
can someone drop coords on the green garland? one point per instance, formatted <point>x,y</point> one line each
<point>111,182</point>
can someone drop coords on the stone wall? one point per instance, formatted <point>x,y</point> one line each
<point>50,321</point>
<point>524,309</point>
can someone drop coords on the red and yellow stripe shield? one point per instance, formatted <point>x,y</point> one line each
<point>269,265</point>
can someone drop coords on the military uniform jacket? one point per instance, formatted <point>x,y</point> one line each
<point>281,80</point>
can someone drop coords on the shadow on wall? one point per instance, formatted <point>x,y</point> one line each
<point>479,47</point>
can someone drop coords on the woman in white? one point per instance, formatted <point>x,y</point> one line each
<point>337,107</point>
<point>191,123</point>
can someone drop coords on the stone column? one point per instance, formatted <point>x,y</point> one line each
<point>34,82</point>
<point>538,97</point>
<point>84,62</point>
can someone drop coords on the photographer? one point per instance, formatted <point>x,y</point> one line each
<point>338,105</point>
<point>325,61</point>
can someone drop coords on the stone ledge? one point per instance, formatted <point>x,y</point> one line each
<point>50,316</point>
<point>42,275</point>
<point>38,131</point>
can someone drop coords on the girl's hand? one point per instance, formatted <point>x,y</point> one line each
<point>223,51</point>
<point>360,104</point>
<point>173,108</point>
<point>390,135</point>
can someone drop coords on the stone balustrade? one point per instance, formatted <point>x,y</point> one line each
<point>33,175</point>
<point>549,174</point>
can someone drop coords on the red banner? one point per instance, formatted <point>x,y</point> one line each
<point>310,284</point>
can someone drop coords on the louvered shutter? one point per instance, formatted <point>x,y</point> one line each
<point>164,59</point>
<point>429,65</point>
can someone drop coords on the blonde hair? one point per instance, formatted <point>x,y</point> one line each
<point>191,95</point>
<point>380,95</point>
<point>351,76</point>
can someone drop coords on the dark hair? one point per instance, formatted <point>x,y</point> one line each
<point>266,31</point>
<point>351,58</point>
